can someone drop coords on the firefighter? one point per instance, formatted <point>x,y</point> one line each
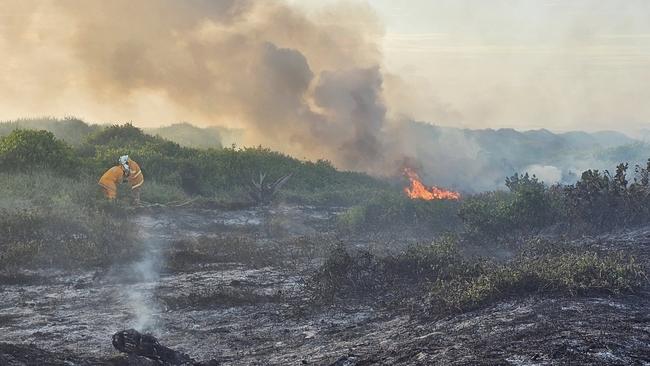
<point>127,170</point>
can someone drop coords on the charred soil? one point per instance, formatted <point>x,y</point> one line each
<point>233,286</point>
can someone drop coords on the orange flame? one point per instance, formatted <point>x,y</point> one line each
<point>418,190</point>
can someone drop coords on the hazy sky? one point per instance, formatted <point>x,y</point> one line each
<point>556,64</point>
<point>559,64</point>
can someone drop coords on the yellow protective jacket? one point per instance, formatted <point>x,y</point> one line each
<point>110,180</point>
<point>116,174</point>
<point>136,179</point>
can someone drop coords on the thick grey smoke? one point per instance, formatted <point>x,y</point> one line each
<point>311,86</point>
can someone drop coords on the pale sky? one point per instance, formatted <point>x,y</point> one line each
<point>556,64</point>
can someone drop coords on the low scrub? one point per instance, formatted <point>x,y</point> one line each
<point>440,279</point>
<point>569,274</point>
<point>26,150</point>
<point>39,238</point>
<point>390,210</point>
<point>48,220</point>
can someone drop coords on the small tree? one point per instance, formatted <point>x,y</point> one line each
<point>531,207</point>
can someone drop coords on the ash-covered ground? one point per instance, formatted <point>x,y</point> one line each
<point>243,302</point>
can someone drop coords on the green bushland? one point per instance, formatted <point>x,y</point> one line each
<point>529,205</point>
<point>441,279</point>
<point>597,202</point>
<point>52,178</point>
<point>53,212</point>
<point>213,172</point>
<point>25,150</point>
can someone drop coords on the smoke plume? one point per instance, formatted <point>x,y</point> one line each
<point>311,86</point>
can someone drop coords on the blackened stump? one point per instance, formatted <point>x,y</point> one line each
<point>133,342</point>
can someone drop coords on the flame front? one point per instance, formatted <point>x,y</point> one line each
<point>417,190</point>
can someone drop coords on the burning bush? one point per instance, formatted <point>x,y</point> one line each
<point>417,189</point>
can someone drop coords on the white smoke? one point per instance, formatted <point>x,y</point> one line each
<point>546,173</point>
<point>142,277</point>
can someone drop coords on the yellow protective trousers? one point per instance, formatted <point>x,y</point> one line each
<point>110,180</point>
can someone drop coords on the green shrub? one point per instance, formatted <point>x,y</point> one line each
<point>26,150</point>
<point>528,206</point>
<point>362,273</point>
<point>205,172</point>
<point>488,214</point>
<point>532,206</point>
<point>353,219</point>
<point>119,135</point>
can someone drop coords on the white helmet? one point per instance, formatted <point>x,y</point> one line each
<point>124,162</point>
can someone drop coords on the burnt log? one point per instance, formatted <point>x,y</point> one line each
<point>134,343</point>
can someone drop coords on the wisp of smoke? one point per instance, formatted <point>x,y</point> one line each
<point>140,300</point>
<point>143,276</point>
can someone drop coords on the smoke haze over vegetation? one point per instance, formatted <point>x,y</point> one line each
<point>321,81</point>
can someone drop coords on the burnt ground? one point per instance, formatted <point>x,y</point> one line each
<point>242,312</point>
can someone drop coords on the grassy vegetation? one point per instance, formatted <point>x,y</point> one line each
<point>440,279</point>
<point>569,274</point>
<point>391,209</point>
<point>49,220</point>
